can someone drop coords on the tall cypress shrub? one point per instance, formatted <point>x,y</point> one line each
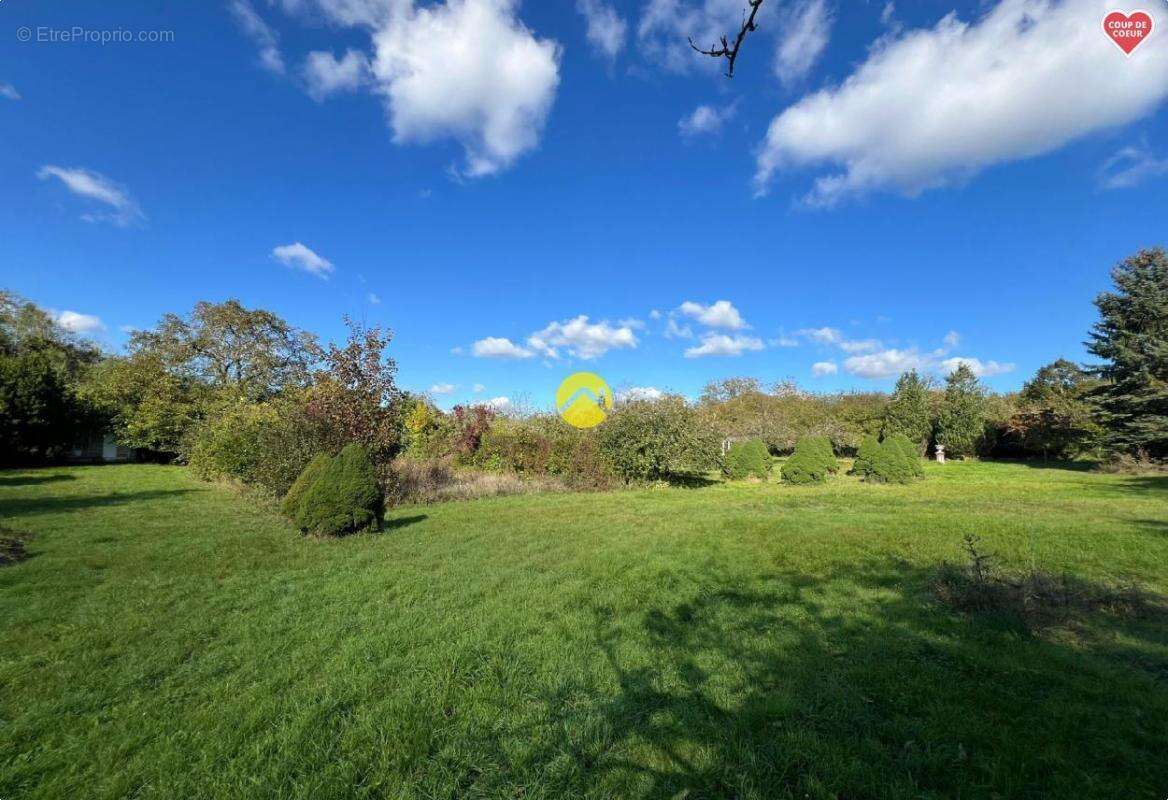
<point>912,457</point>
<point>866,456</point>
<point>908,411</point>
<point>961,423</point>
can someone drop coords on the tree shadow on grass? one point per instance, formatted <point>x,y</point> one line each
<point>25,479</point>
<point>860,684</point>
<point>1160,525</point>
<point>1065,465</point>
<point>1150,486</point>
<point>22,506</point>
<point>689,481</point>
<point>397,523</point>
<point>1155,483</point>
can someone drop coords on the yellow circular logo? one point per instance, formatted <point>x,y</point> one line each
<point>584,400</point>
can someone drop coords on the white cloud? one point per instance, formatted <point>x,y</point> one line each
<point>934,106</point>
<point>834,337</point>
<point>666,25</point>
<point>374,300</point>
<point>721,314</point>
<point>952,339</point>
<point>822,335</point>
<point>324,75</point>
<point>301,257</point>
<point>260,33</point>
<point>369,13</point>
<point>606,29</point>
<point>498,347</point>
<point>804,31</point>
<point>468,70</point>
<point>75,322</point>
<point>478,387</point>
<point>654,314</point>
<point>705,120</point>
<point>888,14</point>
<point>582,339</point>
<point>885,363</point>
<point>782,340</point>
<point>442,388</point>
<point>822,368</point>
<point>95,186</point>
<point>1131,166</point>
<point>982,369</point>
<point>463,70</point>
<point>719,344</point>
<point>642,393</point>
<point>9,91</point>
<point>859,345</point>
<point>892,362</point>
<point>675,331</point>
<point>498,403</point>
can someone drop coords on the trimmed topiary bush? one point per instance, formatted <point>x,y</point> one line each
<point>344,498</point>
<point>820,448</point>
<point>910,453</point>
<point>890,465</point>
<point>746,459</point>
<point>812,461</point>
<point>290,505</point>
<point>802,469</point>
<point>866,456</point>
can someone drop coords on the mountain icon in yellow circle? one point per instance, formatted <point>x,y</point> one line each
<point>584,400</point>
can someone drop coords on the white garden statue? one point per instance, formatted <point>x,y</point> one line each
<point>940,454</point>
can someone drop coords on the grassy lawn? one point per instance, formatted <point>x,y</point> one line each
<point>172,639</point>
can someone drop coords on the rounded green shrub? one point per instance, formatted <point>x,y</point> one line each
<point>812,461</point>
<point>865,456</point>
<point>819,448</point>
<point>910,453</point>
<point>890,465</point>
<point>804,468</point>
<point>290,505</point>
<point>826,453</point>
<point>746,459</point>
<point>344,498</point>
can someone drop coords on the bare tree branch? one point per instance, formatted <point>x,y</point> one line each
<point>725,50</point>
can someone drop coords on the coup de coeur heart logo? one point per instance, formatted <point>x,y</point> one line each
<point>1128,31</point>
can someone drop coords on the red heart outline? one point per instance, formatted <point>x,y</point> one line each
<point>1127,44</point>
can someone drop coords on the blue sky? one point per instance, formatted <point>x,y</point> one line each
<point>879,186</point>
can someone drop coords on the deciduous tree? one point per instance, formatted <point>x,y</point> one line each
<point>250,353</point>
<point>1056,417</point>
<point>355,397</point>
<point>41,365</point>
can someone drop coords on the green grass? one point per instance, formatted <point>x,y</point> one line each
<point>172,639</point>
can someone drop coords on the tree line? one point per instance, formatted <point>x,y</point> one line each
<point>225,383</point>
